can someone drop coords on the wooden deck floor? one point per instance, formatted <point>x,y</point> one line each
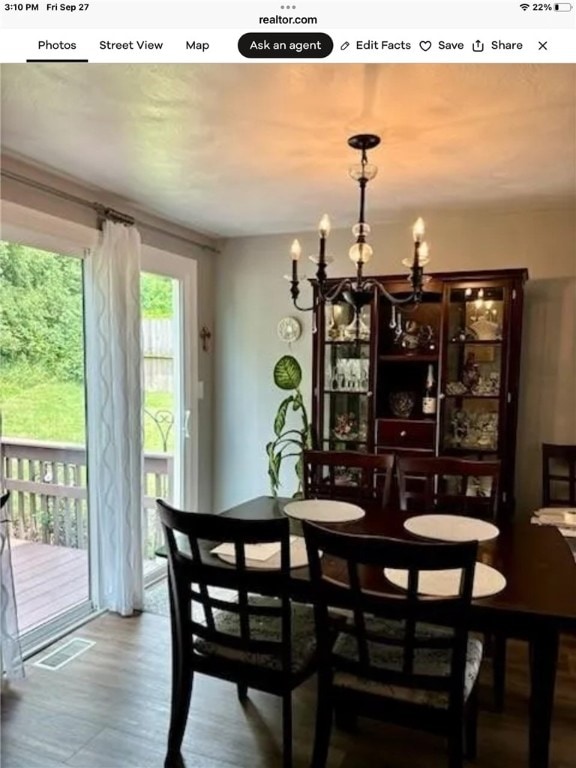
<point>47,580</point>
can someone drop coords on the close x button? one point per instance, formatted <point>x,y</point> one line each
<point>285,45</point>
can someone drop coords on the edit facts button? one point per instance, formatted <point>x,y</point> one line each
<point>285,45</point>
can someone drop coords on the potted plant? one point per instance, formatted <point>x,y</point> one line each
<point>289,441</point>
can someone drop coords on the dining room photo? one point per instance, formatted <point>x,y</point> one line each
<point>288,415</point>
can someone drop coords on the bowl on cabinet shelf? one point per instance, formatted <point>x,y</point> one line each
<point>402,404</point>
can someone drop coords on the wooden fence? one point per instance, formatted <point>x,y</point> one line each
<point>158,354</point>
<point>48,501</point>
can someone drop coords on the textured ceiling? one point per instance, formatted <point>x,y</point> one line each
<point>260,148</point>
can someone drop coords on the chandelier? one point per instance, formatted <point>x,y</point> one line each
<point>359,290</point>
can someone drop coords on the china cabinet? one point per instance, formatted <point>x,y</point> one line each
<point>439,378</point>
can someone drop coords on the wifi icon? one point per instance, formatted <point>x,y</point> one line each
<point>524,6</point>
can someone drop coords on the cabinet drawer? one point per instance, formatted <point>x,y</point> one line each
<point>405,434</point>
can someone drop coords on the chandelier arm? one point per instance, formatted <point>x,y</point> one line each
<point>311,308</point>
<point>415,295</point>
<point>324,295</point>
<point>330,295</point>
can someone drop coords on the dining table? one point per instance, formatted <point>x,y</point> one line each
<point>537,604</point>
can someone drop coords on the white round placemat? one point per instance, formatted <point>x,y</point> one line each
<point>451,528</point>
<point>298,557</point>
<point>487,581</point>
<point>324,511</point>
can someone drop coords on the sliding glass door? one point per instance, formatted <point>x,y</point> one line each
<point>167,291</point>
<point>43,423</point>
<point>43,436</point>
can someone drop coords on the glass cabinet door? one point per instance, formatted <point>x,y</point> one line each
<point>474,373</point>
<point>346,380</point>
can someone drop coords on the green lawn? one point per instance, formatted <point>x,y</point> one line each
<point>54,411</point>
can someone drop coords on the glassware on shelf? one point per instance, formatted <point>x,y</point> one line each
<point>416,337</point>
<point>359,331</point>
<point>476,314</point>
<point>470,372</point>
<point>346,426</point>
<point>485,330</point>
<point>455,388</point>
<point>341,323</point>
<point>334,322</point>
<point>488,386</point>
<point>473,431</point>
<point>350,375</point>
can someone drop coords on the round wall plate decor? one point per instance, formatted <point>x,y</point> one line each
<point>289,329</point>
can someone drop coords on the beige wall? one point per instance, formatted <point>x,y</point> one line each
<point>173,239</point>
<point>251,297</point>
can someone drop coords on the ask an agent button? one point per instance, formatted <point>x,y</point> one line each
<point>285,45</point>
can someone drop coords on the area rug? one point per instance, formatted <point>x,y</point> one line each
<point>156,598</point>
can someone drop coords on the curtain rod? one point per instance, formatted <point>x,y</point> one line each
<point>102,210</point>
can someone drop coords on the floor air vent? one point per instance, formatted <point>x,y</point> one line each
<point>64,654</point>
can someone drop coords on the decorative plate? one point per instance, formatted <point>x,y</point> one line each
<point>289,329</point>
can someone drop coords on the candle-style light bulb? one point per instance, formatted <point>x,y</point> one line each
<point>423,251</point>
<point>295,252</point>
<point>418,230</point>
<point>324,226</point>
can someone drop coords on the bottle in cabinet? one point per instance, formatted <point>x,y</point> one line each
<point>430,395</point>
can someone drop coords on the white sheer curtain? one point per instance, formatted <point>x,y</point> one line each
<point>10,654</point>
<point>114,391</point>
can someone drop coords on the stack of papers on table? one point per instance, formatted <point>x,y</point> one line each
<point>562,518</point>
<point>259,552</point>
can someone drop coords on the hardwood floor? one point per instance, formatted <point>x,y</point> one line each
<point>108,708</point>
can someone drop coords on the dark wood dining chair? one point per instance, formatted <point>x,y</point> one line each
<point>402,657</point>
<point>558,475</point>
<point>266,643</point>
<point>450,485</point>
<point>348,476</point>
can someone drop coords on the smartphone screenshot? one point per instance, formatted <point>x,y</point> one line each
<point>287,383</point>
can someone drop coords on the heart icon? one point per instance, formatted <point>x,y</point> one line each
<point>425,45</point>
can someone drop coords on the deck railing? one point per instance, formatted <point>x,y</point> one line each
<point>48,501</point>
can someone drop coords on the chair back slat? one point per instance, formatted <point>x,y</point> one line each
<point>455,486</point>
<point>558,475</point>
<point>348,476</point>
<point>189,538</point>
<point>359,621</point>
<point>390,628</point>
